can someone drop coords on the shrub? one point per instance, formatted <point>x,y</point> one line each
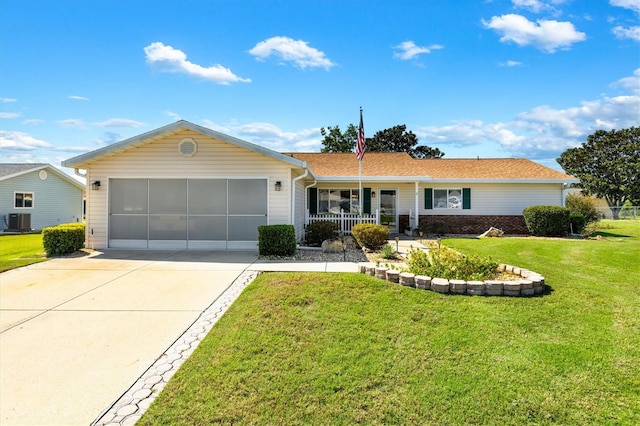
<point>317,232</point>
<point>63,239</point>
<point>276,240</point>
<point>387,252</point>
<point>577,204</point>
<point>547,221</point>
<point>577,223</point>
<point>370,235</point>
<point>445,262</point>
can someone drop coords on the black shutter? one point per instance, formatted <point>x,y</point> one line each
<point>466,198</point>
<point>313,200</point>
<point>366,201</point>
<point>428,198</point>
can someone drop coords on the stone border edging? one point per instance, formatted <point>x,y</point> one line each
<point>128,409</point>
<point>530,284</point>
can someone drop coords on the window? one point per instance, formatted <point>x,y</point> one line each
<point>23,200</point>
<point>458,198</point>
<point>335,200</point>
<point>447,198</point>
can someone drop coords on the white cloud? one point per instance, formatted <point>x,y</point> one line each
<point>544,131</point>
<point>538,6</point>
<point>7,100</point>
<point>120,122</point>
<point>33,121</point>
<point>510,64</point>
<point>20,141</point>
<point>631,83</point>
<point>271,136</point>
<point>72,122</point>
<point>173,115</point>
<point>168,59</point>
<point>546,35</point>
<point>77,98</point>
<point>627,4</point>
<point>632,33</point>
<point>409,50</point>
<point>9,115</point>
<point>290,50</point>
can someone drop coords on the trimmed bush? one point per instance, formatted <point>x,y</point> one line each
<point>547,221</point>
<point>276,240</point>
<point>63,239</point>
<point>577,222</point>
<point>370,235</point>
<point>317,232</point>
<point>577,204</point>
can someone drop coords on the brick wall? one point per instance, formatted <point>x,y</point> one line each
<point>451,224</point>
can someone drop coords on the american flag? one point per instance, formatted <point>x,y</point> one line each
<point>360,144</point>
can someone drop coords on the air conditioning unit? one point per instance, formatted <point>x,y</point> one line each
<point>20,221</point>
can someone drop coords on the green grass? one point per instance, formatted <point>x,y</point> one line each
<point>347,348</point>
<point>20,250</point>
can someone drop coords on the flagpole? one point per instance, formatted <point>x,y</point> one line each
<point>360,148</point>
<point>360,195</point>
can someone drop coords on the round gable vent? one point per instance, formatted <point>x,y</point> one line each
<point>187,147</point>
<point>42,174</point>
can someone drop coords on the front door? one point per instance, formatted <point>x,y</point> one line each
<point>389,209</point>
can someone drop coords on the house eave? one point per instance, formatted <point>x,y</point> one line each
<point>50,168</point>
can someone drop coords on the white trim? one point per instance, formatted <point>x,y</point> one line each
<point>33,200</point>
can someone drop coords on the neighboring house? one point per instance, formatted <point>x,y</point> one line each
<point>187,186</point>
<point>34,196</point>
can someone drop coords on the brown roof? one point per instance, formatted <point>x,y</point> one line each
<point>400,164</point>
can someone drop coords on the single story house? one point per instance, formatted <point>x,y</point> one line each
<point>34,196</point>
<point>187,186</point>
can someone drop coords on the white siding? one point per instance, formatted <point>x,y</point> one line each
<point>498,199</point>
<point>161,158</point>
<point>55,200</point>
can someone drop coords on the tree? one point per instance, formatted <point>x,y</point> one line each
<point>336,141</point>
<point>398,139</point>
<point>608,166</point>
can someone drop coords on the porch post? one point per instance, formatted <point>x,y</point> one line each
<point>417,198</point>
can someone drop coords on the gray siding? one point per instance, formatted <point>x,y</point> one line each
<point>55,200</point>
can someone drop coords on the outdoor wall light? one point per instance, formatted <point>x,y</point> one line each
<point>373,194</point>
<point>95,185</point>
<point>278,185</point>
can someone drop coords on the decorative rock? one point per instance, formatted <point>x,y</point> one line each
<point>476,288</point>
<point>381,272</point>
<point>440,285</point>
<point>423,282</point>
<point>526,288</point>
<point>332,246</point>
<point>349,242</point>
<point>458,286</point>
<point>511,288</point>
<point>370,270</point>
<point>494,288</point>
<point>493,232</point>
<point>393,275</point>
<point>407,279</point>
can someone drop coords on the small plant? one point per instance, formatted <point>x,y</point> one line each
<point>547,221</point>
<point>276,240</point>
<point>577,223</point>
<point>63,239</point>
<point>577,204</point>
<point>371,236</point>
<point>387,252</point>
<point>317,232</point>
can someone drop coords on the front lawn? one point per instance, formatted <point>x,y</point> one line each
<point>20,250</point>
<point>347,348</point>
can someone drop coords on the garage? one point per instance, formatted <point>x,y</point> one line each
<point>189,213</point>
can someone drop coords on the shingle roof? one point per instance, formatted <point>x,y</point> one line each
<point>8,169</point>
<point>381,165</point>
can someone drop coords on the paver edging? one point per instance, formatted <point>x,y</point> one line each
<point>530,284</point>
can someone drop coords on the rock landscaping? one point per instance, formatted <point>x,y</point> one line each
<point>529,284</point>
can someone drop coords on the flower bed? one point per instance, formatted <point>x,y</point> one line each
<point>529,284</point>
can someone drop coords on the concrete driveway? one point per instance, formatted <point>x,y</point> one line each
<point>76,332</point>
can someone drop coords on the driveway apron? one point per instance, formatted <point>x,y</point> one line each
<point>76,332</point>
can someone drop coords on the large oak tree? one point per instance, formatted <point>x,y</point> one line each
<point>608,166</point>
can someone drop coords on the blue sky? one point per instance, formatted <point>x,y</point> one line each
<point>501,78</point>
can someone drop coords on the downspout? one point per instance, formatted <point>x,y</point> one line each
<point>77,172</point>
<point>88,232</point>
<point>293,194</point>
<point>416,196</point>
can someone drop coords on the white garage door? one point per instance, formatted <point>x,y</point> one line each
<point>213,214</point>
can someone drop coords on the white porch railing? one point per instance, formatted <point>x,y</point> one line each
<point>345,221</point>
